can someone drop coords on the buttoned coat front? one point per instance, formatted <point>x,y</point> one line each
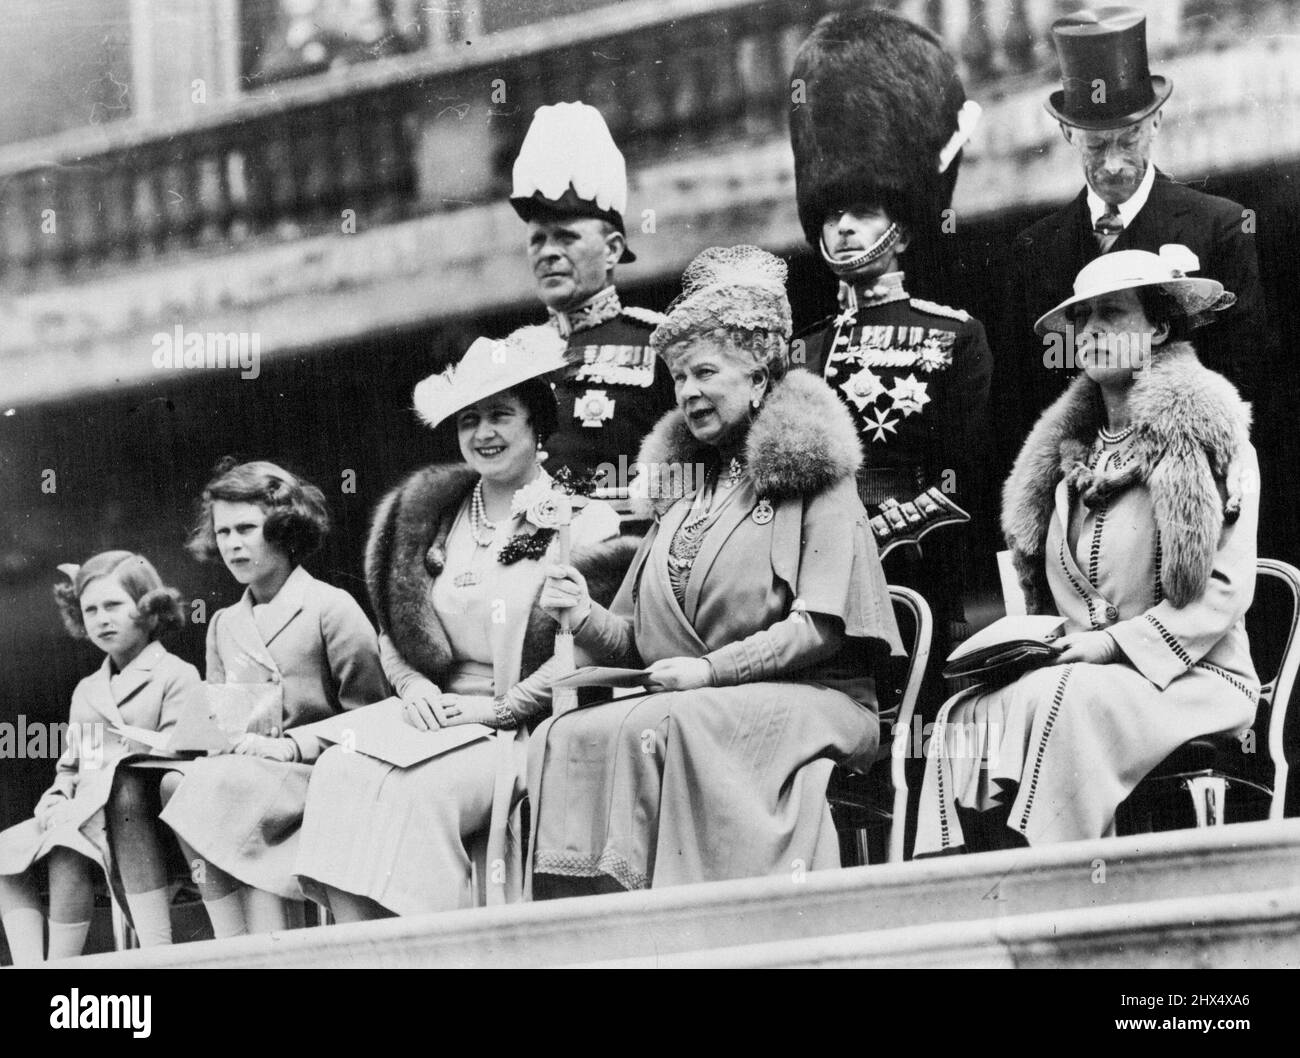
<point>151,693</point>
<point>243,813</point>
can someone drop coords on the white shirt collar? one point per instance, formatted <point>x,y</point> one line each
<point>1127,210</point>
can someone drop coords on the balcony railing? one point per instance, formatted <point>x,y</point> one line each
<point>437,131</point>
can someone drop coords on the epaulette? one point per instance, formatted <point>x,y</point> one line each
<point>647,316</point>
<point>935,309</point>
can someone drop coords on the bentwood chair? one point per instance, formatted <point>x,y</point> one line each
<point>870,810</point>
<point>1253,768</point>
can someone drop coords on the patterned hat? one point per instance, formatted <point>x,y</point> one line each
<point>736,287</point>
<point>569,166</point>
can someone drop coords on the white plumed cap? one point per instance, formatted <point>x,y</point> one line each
<point>569,166</point>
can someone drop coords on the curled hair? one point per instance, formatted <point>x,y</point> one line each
<point>296,516</point>
<point>159,608</point>
<point>1161,306</point>
<point>753,348</point>
<point>538,400</point>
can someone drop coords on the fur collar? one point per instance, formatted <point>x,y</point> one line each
<point>1190,425</point>
<point>801,443</point>
<point>406,552</point>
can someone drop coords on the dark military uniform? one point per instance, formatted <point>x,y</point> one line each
<point>615,390</point>
<point>915,376</point>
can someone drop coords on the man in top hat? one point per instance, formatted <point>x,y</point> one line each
<point>1109,109</point>
<point>570,187</point>
<point>877,143</point>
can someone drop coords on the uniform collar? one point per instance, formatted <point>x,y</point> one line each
<point>1129,209</point>
<point>601,307</point>
<point>886,288</point>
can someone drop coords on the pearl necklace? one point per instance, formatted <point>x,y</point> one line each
<point>1118,437</point>
<point>483,531</point>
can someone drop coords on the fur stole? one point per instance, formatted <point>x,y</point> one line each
<point>406,551</point>
<point>1190,426</point>
<point>801,442</point>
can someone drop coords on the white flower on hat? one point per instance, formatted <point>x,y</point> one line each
<point>1179,258</point>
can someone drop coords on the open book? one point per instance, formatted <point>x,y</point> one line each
<point>1006,649</point>
<point>906,523</point>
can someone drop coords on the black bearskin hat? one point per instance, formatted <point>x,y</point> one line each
<point>876,99</point>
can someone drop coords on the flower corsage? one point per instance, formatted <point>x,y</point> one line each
<point>546,503</point>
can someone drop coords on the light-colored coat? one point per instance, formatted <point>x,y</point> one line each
<point>319,647</point>
<point>151,693</point>
<point>243,813</point>
<point>1153,542</point>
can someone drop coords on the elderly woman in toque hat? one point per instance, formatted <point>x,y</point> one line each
<point>756,601</point>
<point>454,565</point>
<point>1131,512</point>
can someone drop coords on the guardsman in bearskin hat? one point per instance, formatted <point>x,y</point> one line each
<point>877,141</point>
<point>570,186</point>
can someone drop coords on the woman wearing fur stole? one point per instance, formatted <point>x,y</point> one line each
<point>455,560</point>
<point>1131,512</point>
<point>757,603</point>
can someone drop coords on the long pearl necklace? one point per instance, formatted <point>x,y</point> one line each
<point>482,530</point>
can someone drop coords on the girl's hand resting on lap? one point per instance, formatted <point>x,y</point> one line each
<point>680,674</point>
<point>1094,648</point>
<point>51,810</point>
<point>565,590</point>
<point>281,749</point>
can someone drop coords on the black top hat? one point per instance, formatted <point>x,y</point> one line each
<point>1107,83</point>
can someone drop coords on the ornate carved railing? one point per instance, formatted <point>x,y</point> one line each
<point>436,131</point>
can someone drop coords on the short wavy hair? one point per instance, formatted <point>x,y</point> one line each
<point>297,518</point>
<point>753,348</point>
<point>159,608</point>
<point>538,400</point>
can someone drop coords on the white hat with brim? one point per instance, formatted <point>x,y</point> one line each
<point>1130,269</point>
<point>488,367</point>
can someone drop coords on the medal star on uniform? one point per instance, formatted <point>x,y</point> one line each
<point>909,395</point>
<point>594,408</point>
<point>862,388</point>
<point>881,425</point>
<point>933,355</point>
<point>846,317</point>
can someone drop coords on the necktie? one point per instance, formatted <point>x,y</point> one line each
<point>1107,228</point>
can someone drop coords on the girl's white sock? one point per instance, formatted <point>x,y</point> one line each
<point>227,915</point>
<point>266,912</point>
<point>67,939</point>
<point>25,932</point>
<point>151,913</point>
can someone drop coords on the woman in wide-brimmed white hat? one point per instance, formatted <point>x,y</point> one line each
<point>454,565</point>
<point>1131,512</point>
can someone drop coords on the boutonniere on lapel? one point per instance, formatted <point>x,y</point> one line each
<point>546,504</point>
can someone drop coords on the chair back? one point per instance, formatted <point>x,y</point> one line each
<point>1272,624</point>
<point>916,627</point>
